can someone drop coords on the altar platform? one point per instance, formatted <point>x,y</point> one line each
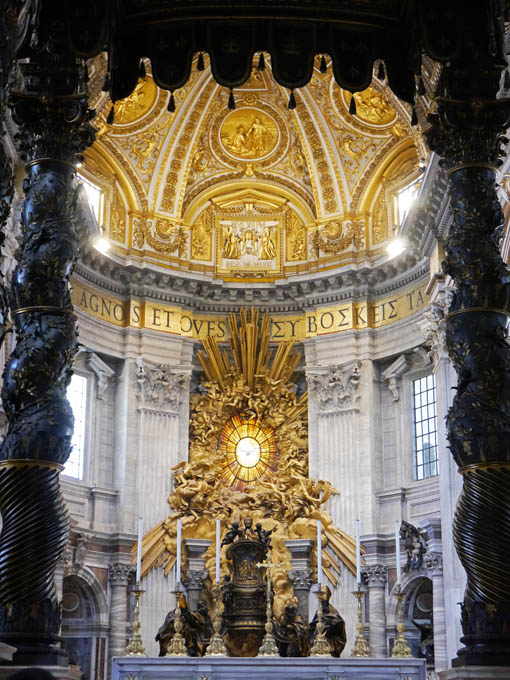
<point>266,668</point>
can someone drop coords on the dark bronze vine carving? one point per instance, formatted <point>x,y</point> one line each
<point>7,45</point>
<point>53,118</point>
<point>468,133</point>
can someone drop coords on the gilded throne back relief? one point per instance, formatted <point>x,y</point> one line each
<point>248,456</point>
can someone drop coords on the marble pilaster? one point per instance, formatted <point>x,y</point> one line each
<point>341,436</point>
<point>434,564</point>
<point>119,578</point>
<point>376,577</point>
<point>161,390</point>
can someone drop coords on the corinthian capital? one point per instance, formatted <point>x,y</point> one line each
<point>160,387</point>
<point>119,573</point>
<point>336,386</point>
<point>433,561</point>
<point>375,575</point>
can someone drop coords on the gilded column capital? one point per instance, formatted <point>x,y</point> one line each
<point>375,575</point>
<point>119,573</point>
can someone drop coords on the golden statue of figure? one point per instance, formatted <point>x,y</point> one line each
<point>257,137</point>
<point>231,249</point>
<point>267,248</point>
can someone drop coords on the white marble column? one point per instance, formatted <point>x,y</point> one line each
<point>376,578</point>
<point>119,576</point>
<point>434,564</point>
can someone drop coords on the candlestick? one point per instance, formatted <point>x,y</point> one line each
<point>177,646</point>
<point>135,646</point>
<point>268,646</point>
<point>360,644</point>
<point>216,645</point>
<point>139,550</point>
<point>218,549</point>
<point>321,646</point>
<point>178,564</point>
<point>401,648</point>
<point>319,553</point>
<point>358,554</point>
<point>397,550</point>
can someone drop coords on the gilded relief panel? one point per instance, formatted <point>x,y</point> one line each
<point>248,245</point>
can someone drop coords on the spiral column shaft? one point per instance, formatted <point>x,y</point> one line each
<point>53,119</point>
<point>467,131</point>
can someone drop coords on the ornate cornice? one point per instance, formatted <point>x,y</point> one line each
<point>287,296</point>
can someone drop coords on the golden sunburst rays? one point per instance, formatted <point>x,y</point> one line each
<point>248,451</point>
<point>251,357</point>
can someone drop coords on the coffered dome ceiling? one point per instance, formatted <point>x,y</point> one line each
<point>258,193</point>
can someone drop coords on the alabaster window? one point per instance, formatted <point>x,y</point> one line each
<point>424,427</point>
<point>405,199</point>
<point>94,196</point>
<point>77,395</point>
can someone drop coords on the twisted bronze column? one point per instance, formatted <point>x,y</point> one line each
<point>8,32</point>
<point>53,118</point>
<point>467,132</point>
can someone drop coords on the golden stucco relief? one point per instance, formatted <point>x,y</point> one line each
<point>249,133</point>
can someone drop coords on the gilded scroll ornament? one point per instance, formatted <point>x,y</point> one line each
<point>168,238</point>
<point>337,236</point>
<point>201,237</point>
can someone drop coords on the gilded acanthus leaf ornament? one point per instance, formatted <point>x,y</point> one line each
<point>248,455</point>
